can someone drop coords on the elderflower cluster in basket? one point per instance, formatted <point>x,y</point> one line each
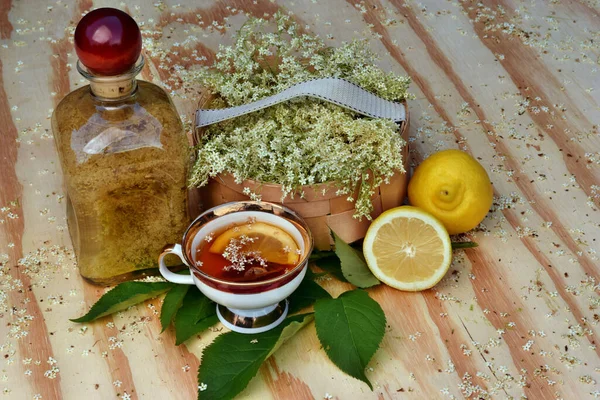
<point>304,141</point>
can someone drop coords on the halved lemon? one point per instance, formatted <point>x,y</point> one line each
<point>408,249</point>
<point>273,243</point>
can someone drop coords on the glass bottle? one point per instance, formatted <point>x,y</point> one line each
<point>124,156</point>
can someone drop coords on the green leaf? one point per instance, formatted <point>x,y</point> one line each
<point>194,316</point>
<point>305,295</point>
<point>232,359</point>
<point>291,329</point>
<point>318,254</point>
<point>350,329</point>
<point>354,267</point>
<point>172,303</point>
<point>333,266</point>
<point>188,331</point>
<point>463,245</point>
<point>312,275</point>
<point>123,296</point>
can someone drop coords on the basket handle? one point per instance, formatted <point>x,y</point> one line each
<point>334,90</point>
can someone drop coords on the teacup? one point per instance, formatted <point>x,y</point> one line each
<point>245,307</point>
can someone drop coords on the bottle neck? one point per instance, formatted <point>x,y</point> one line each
<point>112,88</point>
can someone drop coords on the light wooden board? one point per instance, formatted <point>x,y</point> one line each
<point>515,83</point>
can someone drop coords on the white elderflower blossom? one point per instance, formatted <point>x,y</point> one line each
<point>304,141</point>
<point>240,258</point>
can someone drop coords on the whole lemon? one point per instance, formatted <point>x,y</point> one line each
<point>452,186</point>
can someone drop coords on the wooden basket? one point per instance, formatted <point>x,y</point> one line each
<point>321,212</point>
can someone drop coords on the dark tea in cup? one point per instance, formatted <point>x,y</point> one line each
<point>251,251</point>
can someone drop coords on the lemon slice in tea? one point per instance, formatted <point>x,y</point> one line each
<point>408,249</point>
<point>274,244</point>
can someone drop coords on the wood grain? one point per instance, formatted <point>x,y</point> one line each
<point>512,82</point>
<point>36,343</point>
<point>5,25</point>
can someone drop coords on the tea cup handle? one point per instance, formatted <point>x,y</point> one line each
<point>164,271</point>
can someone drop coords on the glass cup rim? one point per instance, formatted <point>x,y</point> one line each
<point>238,206</point>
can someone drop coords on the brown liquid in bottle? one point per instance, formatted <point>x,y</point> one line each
<point>124,157</point>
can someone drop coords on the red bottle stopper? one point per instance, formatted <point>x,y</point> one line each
<point>108,41</point>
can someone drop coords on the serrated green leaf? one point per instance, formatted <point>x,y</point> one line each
<point>171,304</point>
<point>354,267</point>
<point>194,315</point>
<point>123,296</point>
<point>350,329</point>
<point>333,266</point>
<point>232,359</point>
<point>305,295</point>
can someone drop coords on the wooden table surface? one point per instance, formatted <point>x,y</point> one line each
<point>515,83</point>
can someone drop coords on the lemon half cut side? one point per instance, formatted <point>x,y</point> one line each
<point>408,249</point>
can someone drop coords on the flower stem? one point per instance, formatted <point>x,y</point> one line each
<point>463,245</point>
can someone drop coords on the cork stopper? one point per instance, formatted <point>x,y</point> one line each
<point>112,87</point>
<point>113,90</point>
